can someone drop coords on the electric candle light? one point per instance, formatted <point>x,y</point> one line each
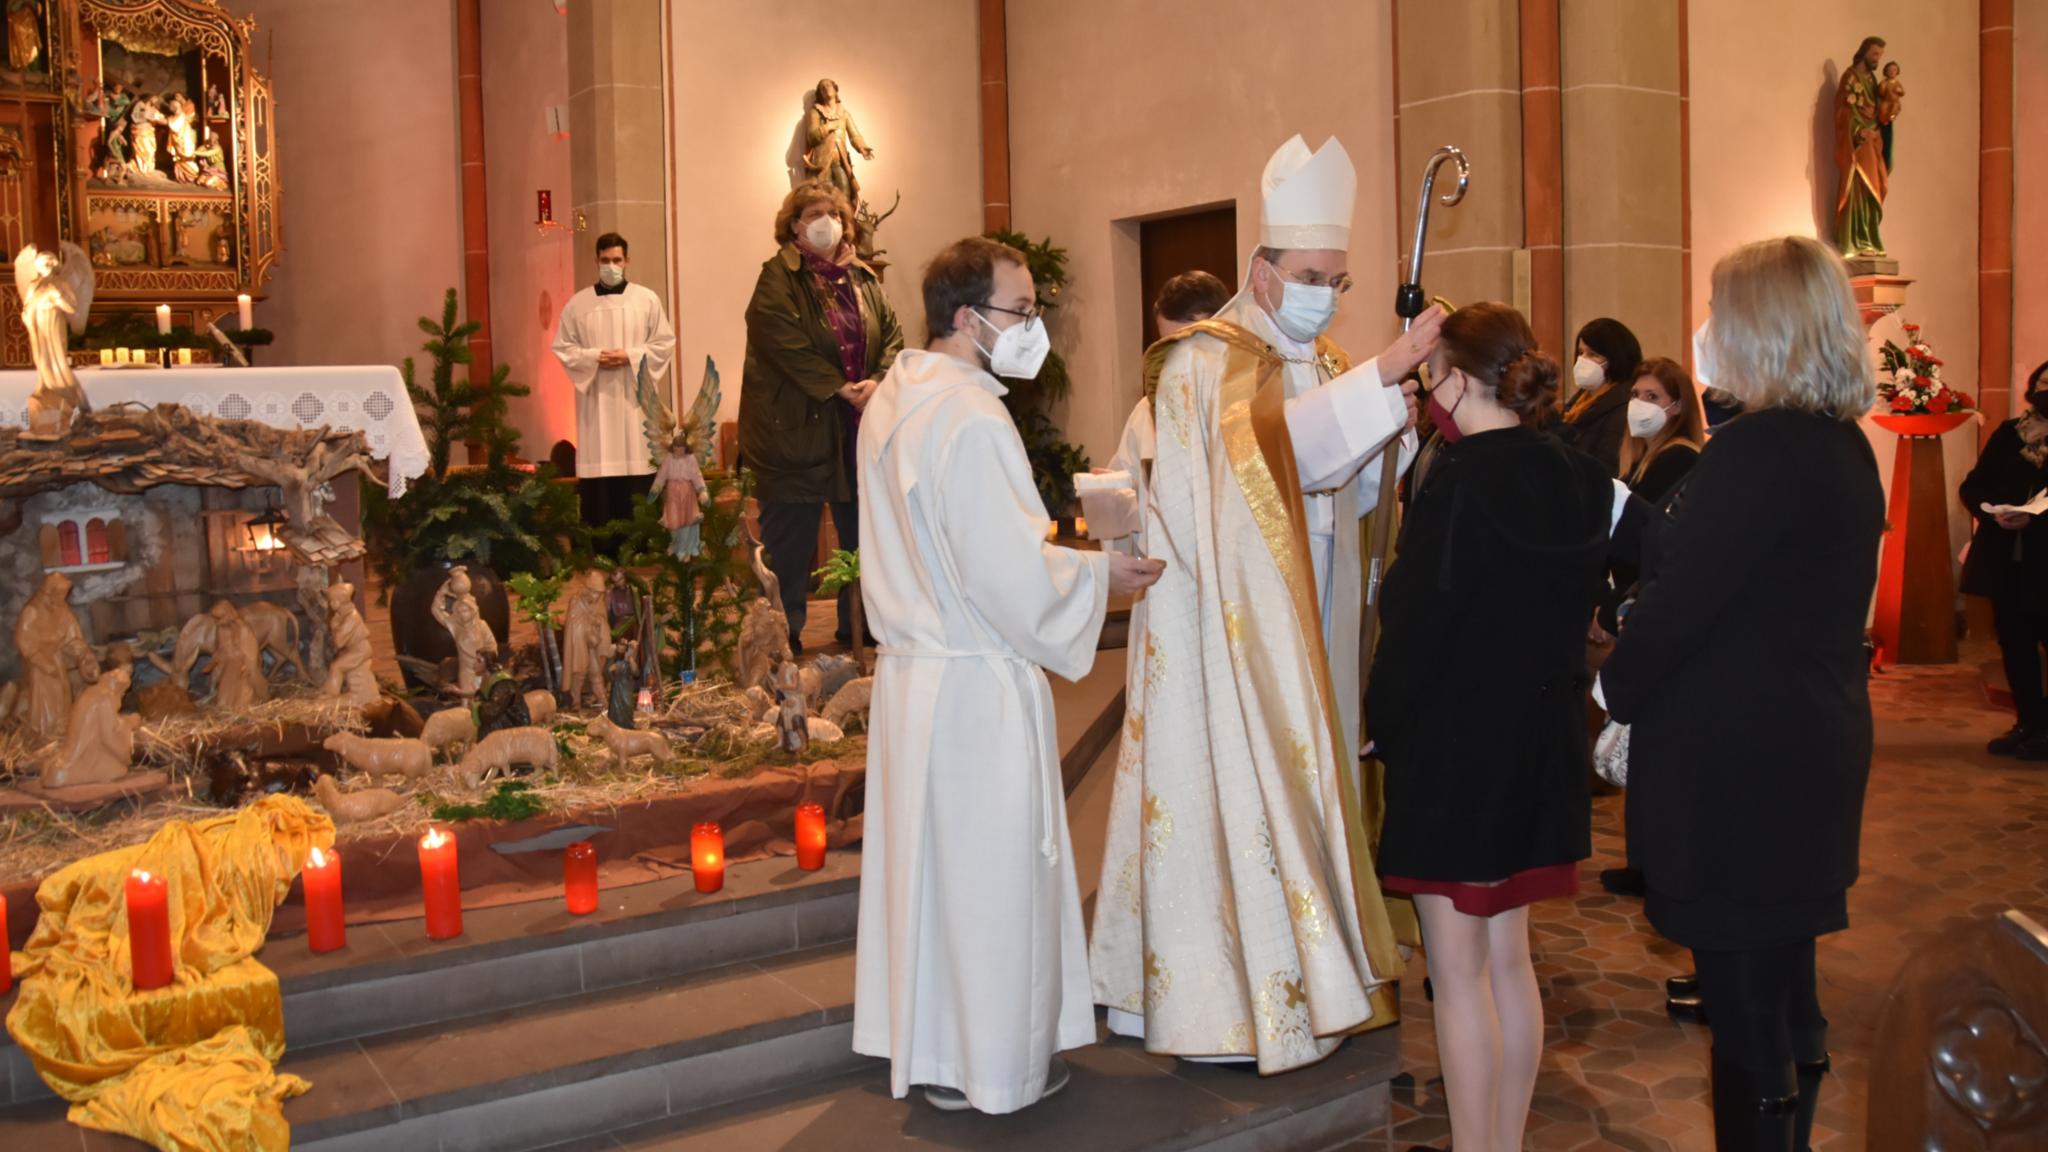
<point>185,357</point>
<point>646,700</point>
<point>325,930</point>
<point>149,930</point>
<point>441,885</point>
<point>106,356</point>
<point>579,877</point>
<point>707,857</point>
<point>120,355</point>
<point>163,319</point>
<point>810,837</point>
<point>245,311</point>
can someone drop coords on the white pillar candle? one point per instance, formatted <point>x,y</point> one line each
<point>245,311</point>
<point>106,356</point>
<point>185,357</point>
<point>163,319</point>
<point>120,355</point>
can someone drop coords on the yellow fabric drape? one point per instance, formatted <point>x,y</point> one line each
<point>187,1066</point>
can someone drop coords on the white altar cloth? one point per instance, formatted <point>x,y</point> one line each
<point>368,398</point>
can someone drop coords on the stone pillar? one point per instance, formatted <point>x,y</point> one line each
<point>1543,172</point>
<point>618,160</point>
<point>1458,81</point>
<point>1624,204</point>
<point>476,227</point>
<point>995,115</point>
<point>1994,213</point>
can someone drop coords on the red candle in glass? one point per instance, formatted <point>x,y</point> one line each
<point>810,837</point>
<point>707,857</point>
<point>441,885</point>
<point>325,930</point>
<point>579,877</point>
<point>6,957</point>
<point>149,930</point>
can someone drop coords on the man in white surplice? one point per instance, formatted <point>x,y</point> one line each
<point>1239,916</point>
<point>972,970</point>
<point>606,330</point>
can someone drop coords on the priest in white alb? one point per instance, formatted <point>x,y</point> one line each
<point>1239,915</point>
<point>605,333</point>
<point>971,966</point>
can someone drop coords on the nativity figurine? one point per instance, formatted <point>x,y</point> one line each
<point>99,742</point>
<point>680,484</point>
<point>586,637</point>
<point>348,671</point>
<point>623,675</point>
<point>792,714</point>
<point>56,296</point>
<point>455,607</point>
<point>53,649</point>
<point>236,666</point>
<point>501,703</point>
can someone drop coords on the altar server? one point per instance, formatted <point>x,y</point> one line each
<point>605,332</point>
<point>1239,916</point>
<point>972,966</point>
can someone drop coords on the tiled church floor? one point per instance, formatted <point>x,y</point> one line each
<point>1951,835</point>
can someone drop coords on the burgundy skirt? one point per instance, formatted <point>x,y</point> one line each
<point>1550,882</point>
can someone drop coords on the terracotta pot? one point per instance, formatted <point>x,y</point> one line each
<point>1923,424</point>
<point>415,632</point>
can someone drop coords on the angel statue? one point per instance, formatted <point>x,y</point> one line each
<point>680,479</point>
<point>56,296</point>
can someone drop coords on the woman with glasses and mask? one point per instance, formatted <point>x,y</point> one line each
<point>1747,828</point>
<point>1475,703</point>
<point>2008,562</point>
<point>1596,409</point>
<point>820,336</point>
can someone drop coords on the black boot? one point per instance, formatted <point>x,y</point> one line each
<point>1686,985</point>
<point>1622,881</point>
<point>2009,743</point>
<point>1744,1120</point>
<point>1689,1007</point>
<point>1809,1099</point>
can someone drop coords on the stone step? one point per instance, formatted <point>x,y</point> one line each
<point>391,977</point>
<point>1120,1098</point>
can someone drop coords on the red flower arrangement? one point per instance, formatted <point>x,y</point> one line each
<point>1911,383</point>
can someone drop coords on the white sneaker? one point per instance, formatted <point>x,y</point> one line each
<point>1056,1077</point>
<point>946,1099</point>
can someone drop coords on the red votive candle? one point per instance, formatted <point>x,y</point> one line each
<point>149,930</point>
<point>441,885</point>
<point>579,877</point>
<point>810,837</point>
<point>707,857</point>
<point>325,930</point>
<point>6,957</point>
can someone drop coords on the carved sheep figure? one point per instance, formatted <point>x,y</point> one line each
<point>498,752</point>
<point>626,743</point>
<point>357,806</point>
<point>411,759</point>
<point>850,701</point>
<point>540,707</point>
<point>449,728</point>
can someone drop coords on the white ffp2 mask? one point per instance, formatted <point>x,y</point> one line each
<point>823,235</point>
<point>1588,373</point>
<point>1019,350</point>
<point>610,275</point>
<point>1646,419</point>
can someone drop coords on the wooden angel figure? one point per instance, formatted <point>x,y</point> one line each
<point>679,481</point>
<point>53,649</point>
<point>236,666</point>
<point>56,296</point>
<point>99,742</point>
<point>455,607</point>
<point>348,673</point>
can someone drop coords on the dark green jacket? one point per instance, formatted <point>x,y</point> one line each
<point>791,424</point>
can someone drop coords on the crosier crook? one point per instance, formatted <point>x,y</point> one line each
<point>1409,302</point>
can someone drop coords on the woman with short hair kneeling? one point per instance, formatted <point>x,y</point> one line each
<point>1475,704</point>
<point>1746,829</point>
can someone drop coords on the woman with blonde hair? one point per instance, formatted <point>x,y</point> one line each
<point>1746,830</point>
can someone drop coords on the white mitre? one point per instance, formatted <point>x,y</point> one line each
<point>1308,198</point>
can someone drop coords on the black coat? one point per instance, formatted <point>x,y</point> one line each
<point>1742,671</point>
<point>2004,564</point>
<point>1475,697</point>
<point>1598,428</point>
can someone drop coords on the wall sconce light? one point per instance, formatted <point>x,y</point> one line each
<point>544,220</point>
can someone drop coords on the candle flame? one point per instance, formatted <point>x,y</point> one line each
<point>318,859</point>
<point>434,838</point>
<point>142,874</point>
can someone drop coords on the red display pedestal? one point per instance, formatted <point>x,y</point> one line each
<point>1916,587</point>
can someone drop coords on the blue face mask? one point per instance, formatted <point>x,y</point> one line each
<point>1305,310</point>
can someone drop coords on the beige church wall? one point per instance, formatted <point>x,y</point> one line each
<point>366,139</point>
<point>2030,179</point>
<point>907,69</point>
<point>1120,110</point>
<point>1763,76</point>
<point>525,72</point>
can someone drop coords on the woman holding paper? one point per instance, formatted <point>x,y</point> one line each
<point>2008,561</point>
